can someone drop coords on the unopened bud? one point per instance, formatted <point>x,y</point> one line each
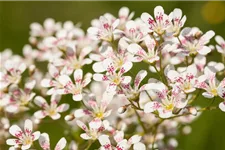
<point>69,117</point>
<point>198,34</point>
<point>32,69</point>
<point>122,109</point>
<point>192,110</point>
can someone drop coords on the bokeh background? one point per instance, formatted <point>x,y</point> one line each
<point>208,131</point>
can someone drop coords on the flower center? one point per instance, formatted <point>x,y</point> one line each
<point>214,92</point>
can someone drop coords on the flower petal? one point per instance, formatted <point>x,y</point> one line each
<point>61,144</point>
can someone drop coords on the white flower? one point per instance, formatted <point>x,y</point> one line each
<point>135,32</point>
<point>77,88</point>
<point>150,56</point>
<point>51,110</point>
<point>124,16</point>
<point>44,142</point>
<point>96,126</point>
<point>122,144</point>
<point>166,101</point>
<point>177,21</point>
<point>208,82</point>
<point>96,108</point>
<point>112,76</point>
<point>133,93</point>
<point>221,44</point>
<point>161,22</point>
<point>24,138</point>
<point>12,72</point>
<point>106,31</point>
<point>192,45</point>
<point>185,80</point>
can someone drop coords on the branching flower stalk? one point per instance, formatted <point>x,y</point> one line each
<point>113,105</point>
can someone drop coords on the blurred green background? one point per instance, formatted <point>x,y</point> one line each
<point>208,132</point>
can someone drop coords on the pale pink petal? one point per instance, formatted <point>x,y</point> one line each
<point>98,67</point>
<point>61,144</point>
<point>134,139</point>
<point>40,101</point>
<point>77,97</point>
<point>13,142</point>
<point>64,80</point>
<point>104,141</point>
<point>53,71</point>
<point>95,124</point>
<point>78,76</point>
<point>46,83</point>
<point>222,106</point>
<point>55,116</point>
<point>119,136</point>
<point>63,107</point>
<point>85,136</point>
<point>44,141</point>
<point>205,50</point>
<point>24,147</point>
<point>139,146</point>
<point>164,113</point>
<point>28,126</point>
<point>36,135</point>
<point>151,107</point>
<point>207,95</point>
<point>133,48</point>
<point>126,67</point>
<point>100,77</point>
<point>81,112</point>
<point>82,125</point>
<point>16,131</point>
<point>40,114</point>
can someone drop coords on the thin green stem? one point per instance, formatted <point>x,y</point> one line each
<point>140,122</point>
<point>89,145</point>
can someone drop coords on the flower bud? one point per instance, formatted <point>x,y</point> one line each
<point>198,34</point>
<point>192,110</point>
<point>32,69</point>
<point>122,109</point>
<point>69,117</point>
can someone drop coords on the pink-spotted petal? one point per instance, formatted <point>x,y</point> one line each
<point>95,124</point>
<point>140,76</point>
<point>61,144</point>
<point>40,101</point>
<point>13,142</point>
<point>36,135</point>
<point>119,136</point>
<point>44,141</point>
<point>78,76</point>
<point>16,131</point>
<point>126,67</point>
<point>40,114</point>
<point>64,80</point>
<point>104,141</point>
<point>82,125</point>
<point>63,107</point>
<point>100,77</point>
<point>81,112</point>
<point>151,107</point>
<point>28,127</point>
<point>53,71</point>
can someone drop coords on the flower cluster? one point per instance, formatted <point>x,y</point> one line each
<point>127,83</point>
